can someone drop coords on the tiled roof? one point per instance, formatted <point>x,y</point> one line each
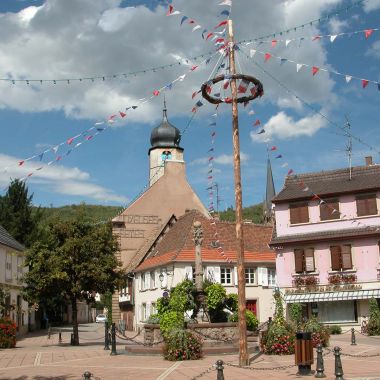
<point>330,182</point>
<point>7,239</point>
<point>331,235</point>
<point>177,244</point>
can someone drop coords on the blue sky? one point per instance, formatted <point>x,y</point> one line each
<point>66,39</point>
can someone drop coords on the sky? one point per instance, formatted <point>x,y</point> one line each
<point>302,115</point>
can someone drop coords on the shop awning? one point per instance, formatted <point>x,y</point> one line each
<point>332,296</point>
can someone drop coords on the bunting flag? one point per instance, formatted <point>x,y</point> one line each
<point>257,122</point>
<point>243,86</point>
<point>273,148</point>
<point>267,57</point>
<point>314,70</point>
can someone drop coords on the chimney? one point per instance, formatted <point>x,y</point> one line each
<point>368,161</point>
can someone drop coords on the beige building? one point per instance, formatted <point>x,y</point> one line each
<point>143,220</point>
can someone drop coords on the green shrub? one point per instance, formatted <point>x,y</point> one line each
<point>182,297</point>
<point>182,345</point>
<point>169,321</point>
<point>231,302</point>
<point>162,305</point>
<point>7,333</point>
<point>295,313</point>
<point>335,330</point>
<point>319,333</point>
<point>374,318</point>
<point>252,321</point>
<point>154,319</point>
<point>216,294</point>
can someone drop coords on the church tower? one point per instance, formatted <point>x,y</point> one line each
<point>164,141</point>
<point>270,193</point>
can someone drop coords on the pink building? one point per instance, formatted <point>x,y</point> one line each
<point>326,238</point>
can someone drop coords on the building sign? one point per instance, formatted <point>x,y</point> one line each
<point>134,234</point>
<point>141,219</point>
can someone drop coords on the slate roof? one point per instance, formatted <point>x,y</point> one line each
<point>177,244</point>
<point>7,239</point>
<point>342,234</point>
<point>330,183</point>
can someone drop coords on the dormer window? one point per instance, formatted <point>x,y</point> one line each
<point>299,212</point>
<point>366,204</point>
<point>329,209</point>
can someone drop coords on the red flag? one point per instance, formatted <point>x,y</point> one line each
<point>191,21</point>
<point>315,197</point>
<point>221,24</point>
<point>193,68</point>
<point>112,117</point>
<point>267,57</point>
<point>209,35</point>
<point>228,100</point>
<point>243,86</point>
<point>226,84</point>
<point>273,148</point>
<point>156,92</point>
<point>257,122</point>
<point>70,140</point>
<point>314,70</point>
<point>211,158</point>
<point>88,138</point>
<point>316,38</point>
<point>208,89</point>
<point>194,94</point>
<point>364,83</point>
<point>30,174</point>
<point>122,114</point>
<point>219,40</point>
<point>368,33</point>
<point>58,158</point>
<point>290,172</point>
<point>20,163</point>
<point>194,109</point>
<point>274,42</point>
<point>253,91</point>
<point>170,10</point>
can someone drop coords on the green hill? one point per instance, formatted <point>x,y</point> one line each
<point>253,213</point>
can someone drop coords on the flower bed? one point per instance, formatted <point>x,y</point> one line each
<point>7,333</point>
<point>182,345</point>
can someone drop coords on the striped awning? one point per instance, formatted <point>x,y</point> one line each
<point>332,296</point>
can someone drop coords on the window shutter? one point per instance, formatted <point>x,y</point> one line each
<point>299,213</point>
<point>372,206</point>
<point>294,217</point>
<point>335,257</point>
<point>327,208</point>
<point>304,213</point>
<point>189,273</point>
<point>264,272</point>
<point>309,260</point>
<point>147,280</point>
<point>235,276</point>
<point>299,260</point>
<point>157,274</point>
<point>210,275</point>
<point>164,283</point>
<point>138,281</point>
<point>217,274</point>
<point>259,276</point>
<point>366,205</point>
<point>147,310</point>
<point>346,257</point>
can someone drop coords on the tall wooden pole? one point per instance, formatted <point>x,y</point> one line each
<point>243,349</point>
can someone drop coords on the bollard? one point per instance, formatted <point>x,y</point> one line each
<point>113,339</point>
<point>87,375</point>
<point>338,364</point>
<point>72,339</point>
<point>60,337</point>
<point>219,368</point>
<point>320,369</point>
<point>106,340</point>
<point>49,332</point>
<point>353,339</point>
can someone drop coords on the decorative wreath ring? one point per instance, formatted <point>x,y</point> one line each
<point>243,99</point>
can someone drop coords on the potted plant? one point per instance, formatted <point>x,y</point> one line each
<point>349,278</point>
<point>335,279</point>
<point>311,281</point>
<point>299,281</point>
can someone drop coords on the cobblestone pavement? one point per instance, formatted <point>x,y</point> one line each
<point>39,358</point>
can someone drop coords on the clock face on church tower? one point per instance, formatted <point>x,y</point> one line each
<point>166,155</point>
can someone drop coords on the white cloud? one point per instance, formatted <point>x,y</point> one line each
<point>283,126</point>
<point>337,26</point>
<point>374,51</point>
<point>290,102</point>
<point>223,159</point>
<point>60,179</point>
<point>371,5</point>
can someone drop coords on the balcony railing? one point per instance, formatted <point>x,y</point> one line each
<point>126,297</point>
<point>338,278</point>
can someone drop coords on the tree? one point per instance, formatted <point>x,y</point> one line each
<point>17,215</point>
<point>374,318</point>
<point>74,261</point>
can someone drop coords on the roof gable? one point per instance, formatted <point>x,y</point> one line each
<point>7,239</point>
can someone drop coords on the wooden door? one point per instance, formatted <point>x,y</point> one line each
<point>251,305</point>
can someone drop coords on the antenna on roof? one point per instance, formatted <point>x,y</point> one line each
<point>347,128</point>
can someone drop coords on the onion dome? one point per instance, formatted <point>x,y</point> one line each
<point>165,135</point>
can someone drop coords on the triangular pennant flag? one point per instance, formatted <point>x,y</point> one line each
<point>58,158</point>
<point>55,149</point>
<point>316,38</point>
<point>184,18</point>
<point>314,70</point>
<point>221,24</point>
<point>332,38</point>
<point>68,152</point>
<point>274,43</point>
<point>267,57</point>
<point>199,103</point>
<point>348,78</point>
<point>70,141</point>
<point>174,13</point>
<point>212,124</point>
<point>284,165</point>
<point>20,163</point>
<point>203,35</point>
<point>226,84</point>
<point>196,28</point>
<point>290,171</point>
<point>122,114</point>
<point>287,42</point>
<point>306,189</point>
<point>226,2</point>
<point>315,197</point>
<point>134,107</point>
<point>213,134</point>
<point>368,33</point>
<point>243,86</point>
<point>41,156</point>
<point>257,122</point>
<point>299,66</point>
<point>365,83</point>
<point>279,156</point>
<point>273,148</point>
<point>217,95</point>
<point>262,131</point>
<point>378,86</point>
<point>191,22</point>
<point>169,86</point>
<point>170,10</point>
<point>251,112</point>
<point>194,109</point>
<point>193,68</point>
<point>209,35</point>
<point>156,92</point>
<point>225,13</point>
<point>30,174</point>
<point>99,123</point>
<point>228,100</point>
<point>252,52</point>
<point>282,61</point>
<point>39,168</point>
<point>181,78</point>
<point>195,93</point>
<point>208,61</point>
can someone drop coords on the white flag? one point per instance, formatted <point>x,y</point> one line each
<point>175,13</point>
<point>226,2</point>
<point>182,77</point>
<point>332,38</point>
<point>196,27</point>
<point>252,52</point>
<point>287,42</point>
<point>299,66</point>
<point>251,112</point>
<point>348,78</point>
<point>55,149</point>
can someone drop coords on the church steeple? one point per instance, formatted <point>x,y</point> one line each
<point>270,193</point>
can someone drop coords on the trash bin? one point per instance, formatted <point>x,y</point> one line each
<point>304,357</point>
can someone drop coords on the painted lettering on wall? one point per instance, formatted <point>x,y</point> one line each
<point>141,219</point>
<point>133,234</point>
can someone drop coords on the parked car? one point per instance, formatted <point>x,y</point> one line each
<point>101,318</point>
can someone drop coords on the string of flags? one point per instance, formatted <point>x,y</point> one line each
<point>313,69</point>
<point>320,20</point>
<point>367,33</point>
<point>214,35</point>
<point>93,79</point>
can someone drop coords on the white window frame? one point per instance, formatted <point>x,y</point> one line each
<point>153,280</point>
<point>8,267</point>
<point>143,312</point>
<point>142,287</point>
<point>272,277</point>
<point>251,276</point>
<point>224,271</point>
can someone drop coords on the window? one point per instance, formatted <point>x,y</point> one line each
<point>299,213</point>
<point>19,267</point>
<point>152,280</point>
<point>143,312</point>
<point>8,267</point>
<point>304,260</point>
<point>153,309</point>
<point>143,281</point>
<point>337,312</point>
<point>226,276</point>
<point>329,210</point>
<point>366,204</point>
<point>250,276</point>
<point>271,277</point>
<point>341,257</point>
